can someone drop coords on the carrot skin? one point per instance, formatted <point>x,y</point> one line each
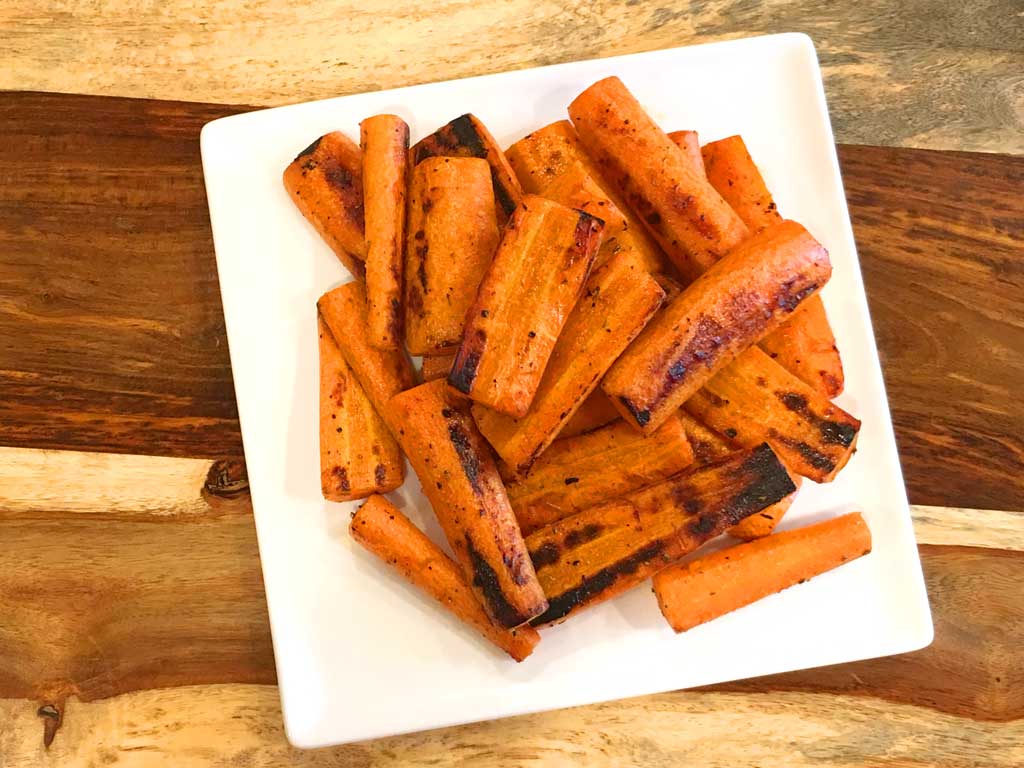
<point>689,142</point>
<point>732,171</point>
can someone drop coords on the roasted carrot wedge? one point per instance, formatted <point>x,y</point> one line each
<point>325,182</point>
<point>466,136</point>
<point>605,550</point>
<point>618,300</point>
<point>385,142</point>
<point>578,189</point>
<point>716,584</point>
<point>358,455</point>
<point>530,287</point>
<point>578,472</point>
<point>804,344</point>
<point>382,529</point>
<point>762,523</point>
<point>436,367</point>
<point>460,480</point>
<point>452,239</point>
<point>689,142</point>
<point>756,400</point>
<point>733,305</point>
<point>689,219</point>
<point>596,411</point>
<point>382,373</point>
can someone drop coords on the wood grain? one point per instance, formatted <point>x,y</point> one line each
<point>120,260</point>
<point>918,73</point>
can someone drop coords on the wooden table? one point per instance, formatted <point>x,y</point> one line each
<point>133,627</point>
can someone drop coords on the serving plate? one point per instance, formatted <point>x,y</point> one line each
<point>359,653</point>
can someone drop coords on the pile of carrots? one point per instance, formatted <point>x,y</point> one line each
<point>624,357</point>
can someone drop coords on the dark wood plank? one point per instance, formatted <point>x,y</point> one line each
<point>112,339</point>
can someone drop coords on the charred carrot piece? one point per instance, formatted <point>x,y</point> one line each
<point>578,472</point>
<point>732,171</point>
<point>381,528</point>
<point>618,300</point>
<point>358,455</point>
<point>534,281</point>
<point>689,142</point>
<point>696,592</point>
<point>385,142</point>
<point>451,241</point>
<point>596,411</point>
<point>763,523</point>
<point>756,400</point>
<point>437,367</point>
<point>466,136</point>
<point>689,219</point>
<point>733,305</point>
<point>460,480</point>
<point>601,552</point>
<point>325,183</point>
<point>382,373</point>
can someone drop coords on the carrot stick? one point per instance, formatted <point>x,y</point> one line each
<point>716,584</point>
<point>578,472</point>
<point>358,455</point>
<point>618,300</point>
<point>733,173</point>
<point>575,188</point>
<point>382,529</point>
<point>325,182</point>
<point>756,400</point>
<point>461,482</point>
<point>436,367</point>
<point>733,305</point>
<point>466,136</point>
<point>763,523</point>
<point>693,224</point>
<point>603,551</point>
<point>451,240</point>
<point>534,281</point>
<point>385,142</point>
<point>689,142</point>
<point>596,411</point>
<point>382,373</point>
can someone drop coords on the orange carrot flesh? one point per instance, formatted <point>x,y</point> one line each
<point>805,344</point>
<point>733,305</point>
<point>578,189</point>
<point>382,373</point>
<point>461,481</point>
<point>532,284</point>
<point>451,240</point>
<point>578,472</point>
<point>756,400</point>
<point>383,530</point>
<point>596,411</point>
<point>436,367</point>
<point>385,143</point>
<point>689,219</point>
<point>358,455</point>
<point>618,299</point>
<point>694,593</point>
<point>689,142</point>
<point>325,183</point>
<point>601,552</point>
<point>466,136</point>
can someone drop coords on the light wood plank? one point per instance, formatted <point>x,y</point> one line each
<point>950,526</point>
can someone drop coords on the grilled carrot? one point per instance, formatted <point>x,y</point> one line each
<point>618,299</point>
<point>382,529</point>
<point>385,142</point>
<point>669,285</point>
<point>466,136</point>
<point>734,304</point>
<point>382,373</point>
<point>461,482</point>
<point>436,367</point>
<point>605,550</point>
<point>716,584</point>
<point>451,240</point>
<point>358,455</point>
<point>689,142</point>
<point>576,188</point>
<point>578,472</point>
<point>763,523</point>
<point>690,220</point>
<point>534,281</point>
<point>325,182</point>
<point>596,411</point>
<point>756,400</point>
<point>804,344</point>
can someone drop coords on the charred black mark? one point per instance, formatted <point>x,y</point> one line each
<point>833,432</point>
<point>310,149</point>
<point>421,269</point>
<point>380,474</point>
<point>486,580</point>
<point>467,456</point>
<point>769,483</point>
<point>704,525</point>
<point>692,506</point>
<point>812,456</point>
<point>427,205</point>
<point>788,299</point>
<point>642,417</point>
<point>467,136</point>
<point>587,533</point>
<point>588,229</point>
<point>571,480</point>
<point>341,476</point>
<point>730,432</point>
<point>340,177</point>
<point>654,219</point>
<point>546,554</point>
<point>463,372</point>
<point>703,348</point>
<point>676,371</point>
<point>560,605</point>
<point>502,194</point>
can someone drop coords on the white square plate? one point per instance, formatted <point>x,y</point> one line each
<point>362,655</point>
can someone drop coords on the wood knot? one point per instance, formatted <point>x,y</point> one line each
<point>53,716</point>
<point>227,479</point>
